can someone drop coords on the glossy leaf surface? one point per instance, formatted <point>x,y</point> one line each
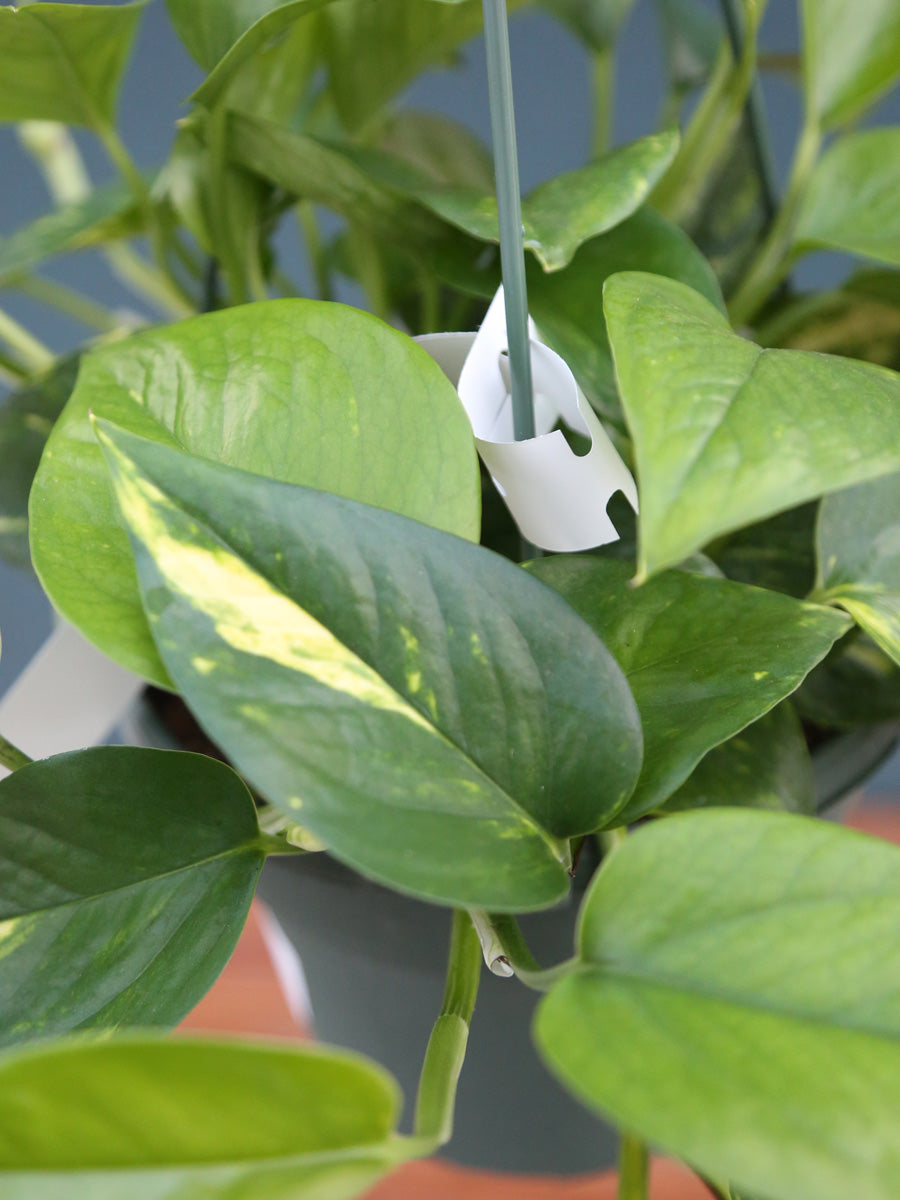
<point>432,714</point>
<point>853,202</point>
<point>858,541</point>
<point>27,416</point>
<point>738,1002</point>
<point>63,62</point>
<point>126,879</point>
<point>167,1120</point>
<point>298,390</point>
<point>766,765</point>
<point>851,55</point>
<point>725,433</point>
<point>568,305</point>
<point>106,214</point>
<point>704,657</point>
<point>558,216</point>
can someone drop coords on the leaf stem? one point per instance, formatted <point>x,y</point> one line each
<point>634,1168</point>
<point>11,756</point>
<point>446,1050</point>
<point>503,944</point>
<point>70,302</point>
<point>774,260</point>
<point>34,355</point>
<point>509,213</point>
<point>603,85</point>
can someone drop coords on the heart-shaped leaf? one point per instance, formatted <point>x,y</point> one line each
<point>106,214</point>
<point>558,216</point>
<point>726,433</point>
<point>704,656</point>
<point>738,1001</point>
<point>431,713</point>
<point>596,22</point>
<point>63,62</point>
<point>853,201</point>
<point>851,55</point>
<point>127,875</point>
<point>766,765</point>
<point>568,305</point>
<point>311,393</point>
<point>858,542</point>
<point>165,1120</point>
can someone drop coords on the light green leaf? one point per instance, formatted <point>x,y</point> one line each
<point>766,765</point>
<point>596,22</point>
<point>167,1120</point>
<point>298,390</point>
<point>433,715</point>
<point>27,416</point>
<point>63,62</point>
<point>853,201</point>
<point>725,433</point>
<point>704,657</point>
<point>558,216</point>
<point>127,876</point>
<point>858,543</point>
<point>738,1003</point>
<point>851,56</point>
<point>374,50</point>
<point>105,215</point>
<point>568,305</point>
<point>442,149</point>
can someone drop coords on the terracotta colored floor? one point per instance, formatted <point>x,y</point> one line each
<point>247,999</point>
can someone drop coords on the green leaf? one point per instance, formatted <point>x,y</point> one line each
<point>127,876</point>
<point>596,22</point>
<point>851,56</point>
<point>433,715</point>
<point>767,765</point>
<point>63,62</point>
<point>778,553</point>
<point>858,544</point>
<point>568,305</point>
<point>298,390</point>
<point>725,433</point>
<point>374,50</point>
<point>105,215</point>
<point>737,1004</point>
<point>27,416</point>
<point>165,1120</point>
<point>853,201</point>
<point>441,149</point>
<point>558,216</point>
<point>857,684</point>
<point>704,657</point>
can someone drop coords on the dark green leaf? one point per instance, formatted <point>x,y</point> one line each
<point>738,1002</point>
<point>167,1120</point>
<point>725,433</point>
<point>105,215</point>
<point>704,657</point>
<point>27,417</point>
<point>293,389</point>
<point>568,305</point>
<point>63,62</point>
<point>853,201</point>
<point>767,765</point>
<point>126,879</point>
<point>432,714</point>
<point>857,684</point>
<point>778,553</point>
<point>858,543</point>
<point>851,55</point>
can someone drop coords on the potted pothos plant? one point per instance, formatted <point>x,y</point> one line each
<point>649,637</point>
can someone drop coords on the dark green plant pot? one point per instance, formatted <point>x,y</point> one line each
<point>374,963</point>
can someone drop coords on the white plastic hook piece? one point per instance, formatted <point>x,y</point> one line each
<point>558,498</point>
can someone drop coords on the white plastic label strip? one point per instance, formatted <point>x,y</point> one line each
<point>557,497</point>
<point>68,697</point>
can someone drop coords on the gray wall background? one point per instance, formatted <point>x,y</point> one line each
<point>552,77</point>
